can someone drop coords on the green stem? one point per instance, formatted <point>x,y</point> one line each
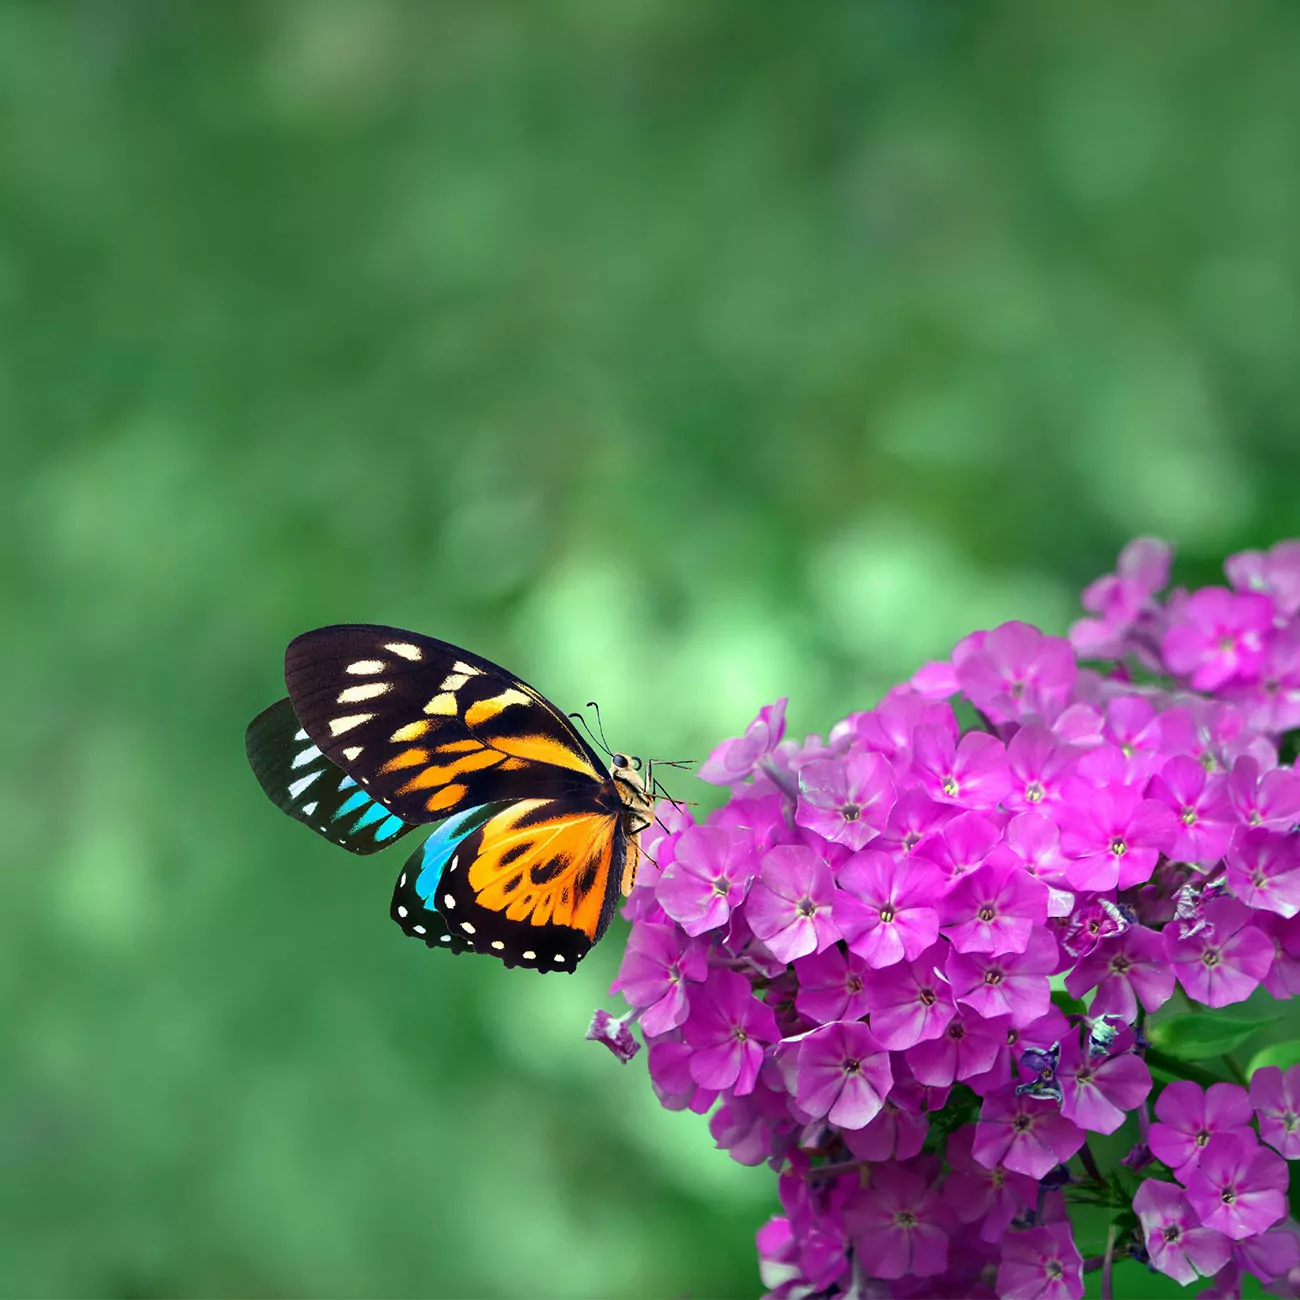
<point>1090,1165</point>
<point>1107,1281</point>
<point>1234,1069</point>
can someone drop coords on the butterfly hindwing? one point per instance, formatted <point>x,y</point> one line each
<point>537,883</point>
<point>430,729</point>
<point>413,906</point>
<point>302,782</point>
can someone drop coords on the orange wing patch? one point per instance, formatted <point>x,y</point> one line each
<point>552,871</point>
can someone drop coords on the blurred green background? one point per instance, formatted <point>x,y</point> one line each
<point>676,355</point>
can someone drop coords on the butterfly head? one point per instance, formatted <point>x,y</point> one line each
<point>638,801</point>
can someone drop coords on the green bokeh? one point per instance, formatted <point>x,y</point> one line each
<point>677,355</point>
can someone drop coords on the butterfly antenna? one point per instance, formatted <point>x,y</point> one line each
<point>591,704</point>
<point>599,740</point>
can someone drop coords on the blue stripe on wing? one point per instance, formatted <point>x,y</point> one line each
<point>414,907</point>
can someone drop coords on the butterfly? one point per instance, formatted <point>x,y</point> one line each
<point>385,730</point>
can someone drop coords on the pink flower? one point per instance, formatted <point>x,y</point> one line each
<point>846,801</point>
<point>900,1225</point>
<point>1224,960</point>
<point>1200,804</point>
<point>1216,636</point>
<point>709,875</point>
<point>1189,1118</point>
<point>1264,870</point>
<point>1041,1264</point>
<point>1023,1133</point>
<point>1114,835</point>
<point>734,760</point>
<point>843,1073</point>
<point>832,986</point>
<point>1037,768</point>
<point>960,844</point>
<point>1012,984</point>
<point>1238,1187</point>
<point>1099,1091</point>
<point>1264,798</point>
<point>1276,1099</point>
<point>1124,968</point>
<point>967,1048</point>
<point>1120,598</point>
<point>898,1131</point>
<point>884,908</point>
<point>789,907</point>
<point>971,774</point>
<point>994,909</point>
<point>1275,572</point>
<point>726,1030</point>
<point>1014,672</point>
<point>1177,1244</point>
<point>976,1193</point>
<point>910,1002</point>
<point>656,965</point>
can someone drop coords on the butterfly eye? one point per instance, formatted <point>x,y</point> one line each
<point>620,760</point>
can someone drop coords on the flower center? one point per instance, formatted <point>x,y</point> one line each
<point>993,976</point>
<point>1228,1195</point>
<point>1083,1077</point>
<point>950,786</point>
<point>1118,847</point>
<point>1211,957</point>
<point>987,913</point>
<point>722,886</point>
<point>1055,1270</point>
<point>850,812</point>
<point>998,1177</point>
<point>1120,965</point>
<point>956,1032</point>
<point>807,907</point>
<point>739,1035</point>
<point>905,1219</point>
<point>1034,792</point>
<point>1022,1123</point>
<point>927,997</point>
<point>1202,1137</point>
<point>1189,816</point>
<point>1172,1232</point>
<point>853,984</point>
<point>852,1065</point>
<point>887,914</point>
<point>1290,1121</point>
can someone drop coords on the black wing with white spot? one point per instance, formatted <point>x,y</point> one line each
<point>431,729</point>
<point>302,782</point>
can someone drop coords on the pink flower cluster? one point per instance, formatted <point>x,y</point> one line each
<point>851,963</point>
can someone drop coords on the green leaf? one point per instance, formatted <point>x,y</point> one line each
<point>1283,1055</point>
<point>1197,1037</point>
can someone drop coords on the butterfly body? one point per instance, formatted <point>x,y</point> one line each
<point>537,840</point>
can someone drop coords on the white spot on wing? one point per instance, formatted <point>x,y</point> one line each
<point>401,884</point>
<point>366,691</point>
<point>469,929</point>
<point>448,901</point>
<point>467,669</point>
<point>309,808</point>
<point>339,725</point>
<point>559,956</point>
<point>405,649</point>
<point>418,929</point>
<point>297,787</point>
<point>351,752</point>
<point>300,735</point>
<point>444,938</point>
<point>497,944</point>
<point>366,667</point>
<point>308,755</point>
<point>401,911</point>
<point>455,860</point>
<point>530,955</point>
<point>453,682</point>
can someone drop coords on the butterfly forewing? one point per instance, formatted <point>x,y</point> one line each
<point>536,885</point>
<point>430,729</point>
<point>302,782</point>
